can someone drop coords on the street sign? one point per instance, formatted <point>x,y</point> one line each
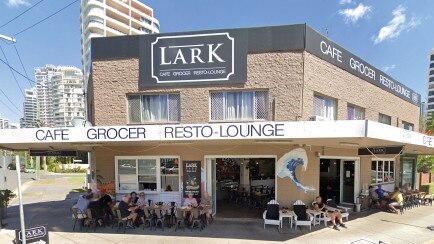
<point>53,153</point>
<point>36,235</point>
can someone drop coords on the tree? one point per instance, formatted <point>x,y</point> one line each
<point>425,163</point>
<point>429,124</point>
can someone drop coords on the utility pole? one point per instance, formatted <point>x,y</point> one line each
<point>18,168</point>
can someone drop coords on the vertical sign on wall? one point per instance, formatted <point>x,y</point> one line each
<point>191,178</point>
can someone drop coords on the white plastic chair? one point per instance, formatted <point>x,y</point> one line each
<point>271,218</point>
<point>301,217</point>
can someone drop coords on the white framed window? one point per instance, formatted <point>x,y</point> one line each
<point>355,112</point>
<point>147,173</point>
<point>240,105</point>
<point>324,107</point>
<point>154,108</point>
<point>382,171</point>
<point>385,119</point>
<point>407,125</point>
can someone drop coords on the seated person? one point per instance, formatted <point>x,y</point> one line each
<point>141,203</point>
<point>396,200</point>
<point>133,198</point>
<point>333,215</point>
<point>206,203</point>
<point>190,201</point>
<point>382,195</point>
<point>406,188</point>
<point>127,211</point>
<point>375,200</point>
<point>82,205</point>
<point>168,188</point>
<point>105,202</point>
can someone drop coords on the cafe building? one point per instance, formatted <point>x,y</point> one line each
<point>279,112</point>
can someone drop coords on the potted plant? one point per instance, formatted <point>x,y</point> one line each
<point>5,197</point>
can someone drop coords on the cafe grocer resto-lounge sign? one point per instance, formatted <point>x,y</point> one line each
<point>193,58</point>
<point>335,54</point>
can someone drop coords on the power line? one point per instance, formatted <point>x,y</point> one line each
<point>1,90</point>
<point>49,16</point>
<point>12,72</point>
<point>22,65</point>
<point>16,71</point>
<point>25,11</point>
<point>9,108</point>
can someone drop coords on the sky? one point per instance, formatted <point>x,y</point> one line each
<point>392,35</point>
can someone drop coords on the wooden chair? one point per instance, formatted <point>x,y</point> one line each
<point>179,220</point>
<point>78,216</point>
<point>196,219</point>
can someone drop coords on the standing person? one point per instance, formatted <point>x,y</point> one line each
<point>127,211</point>
<point>333,215</point>
<point>397,200</point>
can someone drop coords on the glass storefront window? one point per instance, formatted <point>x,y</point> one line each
<point>149,174</point>
<point>169,174</point>
<point>382,171</point>
<point>127,174</point>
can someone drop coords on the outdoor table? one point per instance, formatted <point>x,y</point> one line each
<point>316,216</point>
<point>285,214</point>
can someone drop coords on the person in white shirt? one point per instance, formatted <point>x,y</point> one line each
<point>82,204</point>
<point>142,202</point>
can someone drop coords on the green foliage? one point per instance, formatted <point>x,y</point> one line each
<point>428,188</point>
<point>5,197</point>
<point>425,163</point>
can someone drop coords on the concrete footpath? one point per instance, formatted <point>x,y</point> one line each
<point>48,202</point>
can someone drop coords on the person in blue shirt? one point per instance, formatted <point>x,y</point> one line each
<point>382,195</point>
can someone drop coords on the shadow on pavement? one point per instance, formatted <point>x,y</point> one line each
<point>56,215</point>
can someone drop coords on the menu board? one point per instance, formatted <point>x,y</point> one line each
<point>191,178</point>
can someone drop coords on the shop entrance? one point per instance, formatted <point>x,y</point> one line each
<point>240,186</point>
<point>339,179</point>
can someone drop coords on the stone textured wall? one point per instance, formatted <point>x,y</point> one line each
<point>326,79</point>
<point>279,73</point>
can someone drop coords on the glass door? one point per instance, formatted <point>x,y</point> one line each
<point>211,182</point>
<point>347,176</point>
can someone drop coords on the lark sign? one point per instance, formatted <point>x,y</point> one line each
<point>193,58</point>
<point>37,234</point>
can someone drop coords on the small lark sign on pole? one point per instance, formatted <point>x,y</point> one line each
<point>36,234</point>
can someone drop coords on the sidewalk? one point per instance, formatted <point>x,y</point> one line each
<point>48,202</point>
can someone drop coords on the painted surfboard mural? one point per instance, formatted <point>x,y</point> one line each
<point>289,163</point>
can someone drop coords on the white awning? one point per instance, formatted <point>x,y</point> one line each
<point>340,134</point>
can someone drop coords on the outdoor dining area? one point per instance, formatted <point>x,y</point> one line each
<point>100,210</point>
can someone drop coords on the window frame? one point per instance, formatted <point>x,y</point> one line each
<point>324,97</point>
<point>355,108</point>
<point>383,172</point>
<point>385,115</point>
<point>267,105</point>
<point>157,171</point>
<point>142,121</point>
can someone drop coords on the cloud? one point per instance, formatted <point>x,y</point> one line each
<point>390,67</point>
<point>345,2</point>
<point>396,25</point>
<point>352,15</point>
<point>16,3</point>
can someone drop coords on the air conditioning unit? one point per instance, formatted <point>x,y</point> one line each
<point>319,118</point>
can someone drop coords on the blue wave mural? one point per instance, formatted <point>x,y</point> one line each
<point>289,163</point>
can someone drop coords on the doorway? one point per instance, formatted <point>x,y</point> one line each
<point>240,185</point>
<point>339,179</point>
